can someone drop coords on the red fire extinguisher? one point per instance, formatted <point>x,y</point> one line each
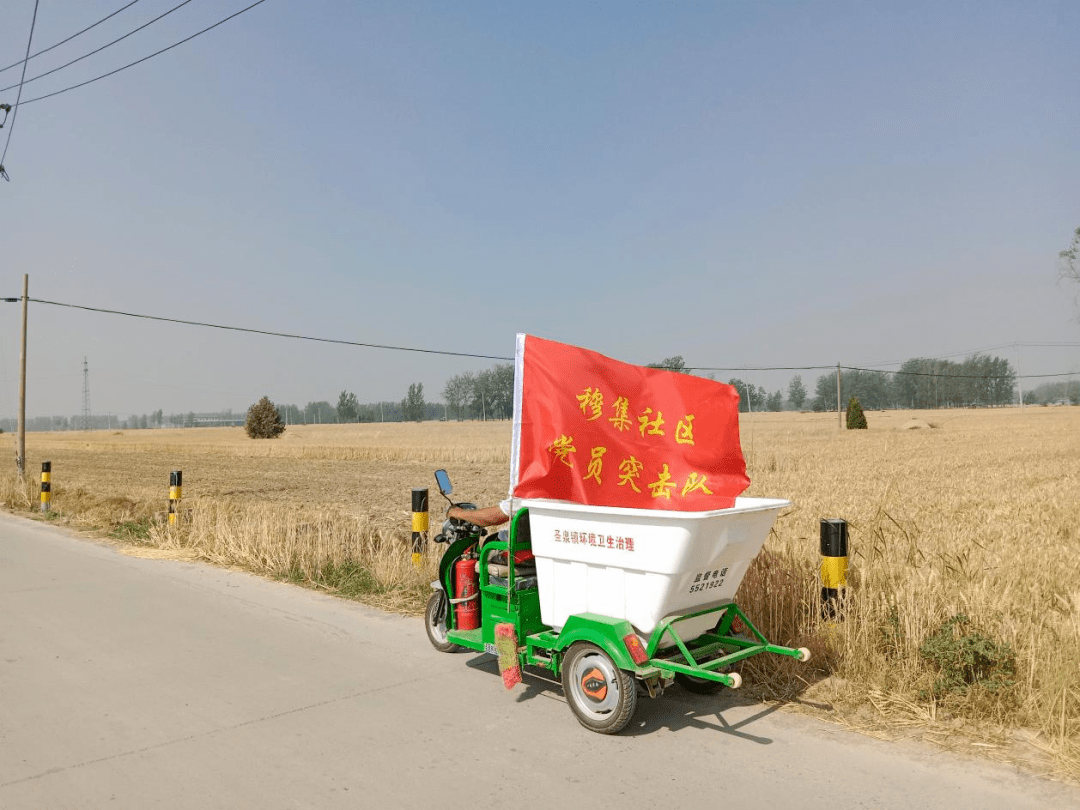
<point>466,584</point>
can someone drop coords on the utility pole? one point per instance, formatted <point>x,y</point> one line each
<point>1019,382</point>
<point>20,456</point>
<point>839,416</point>
<point>87,419</point>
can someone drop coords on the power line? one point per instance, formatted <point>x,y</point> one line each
<point>33,22</point>
<point>746,368</point>
<point>77,33</point>
<point>266,332</point>
<point>510,359</point>
<point>103,47</point>
<point>145,58</point>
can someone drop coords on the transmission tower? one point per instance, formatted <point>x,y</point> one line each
<point>85,396</point>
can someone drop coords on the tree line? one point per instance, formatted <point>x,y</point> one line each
<point>485,395</point>
<point>920,383</point>
<point>1054,393</point>
<point>112,421</point>
<point>980,381</point>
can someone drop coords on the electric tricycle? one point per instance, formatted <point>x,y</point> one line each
<point>616,602</point>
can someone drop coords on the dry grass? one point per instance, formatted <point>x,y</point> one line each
<point>975,512</point>
<point>312,546</point>
<point>979,515</point>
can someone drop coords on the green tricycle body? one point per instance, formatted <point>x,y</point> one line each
<point>602,661</point>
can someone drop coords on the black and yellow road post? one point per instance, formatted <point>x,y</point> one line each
<point>419,522</point>
<point>46,485</point>
<point>834,563</point>
<point>176,478</point>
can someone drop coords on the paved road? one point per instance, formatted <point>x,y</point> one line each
<point>137,683</point>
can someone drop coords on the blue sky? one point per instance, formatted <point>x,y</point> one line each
<point>744,184</point>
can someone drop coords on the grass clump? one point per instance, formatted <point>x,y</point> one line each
<point>967,659</point>
<point>350,579</point>
<point>17,492</point>
<point>131,531</point>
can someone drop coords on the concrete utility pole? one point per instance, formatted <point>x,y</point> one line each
<point>20,454</point>
<point>87,418</point>
<point>1019,381</point>
<point>839,413</point>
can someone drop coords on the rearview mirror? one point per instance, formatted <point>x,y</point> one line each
<point>443,480</point>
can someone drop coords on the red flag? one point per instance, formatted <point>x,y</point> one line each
<point>593,430</point>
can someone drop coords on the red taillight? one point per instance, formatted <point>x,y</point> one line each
<point>635,648</point>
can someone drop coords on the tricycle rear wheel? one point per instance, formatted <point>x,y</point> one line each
<point>435,623</point>
<point>601,695</point>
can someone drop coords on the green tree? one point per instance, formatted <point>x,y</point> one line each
<point>456,394</point>
<point>483,395</point>
<point>263,420</point>
<point>856,419</point>
<point>291,413</point>
<point>488,394</point>
<point>413,406</point>
<point>907,383</point>
<point>743,390</point>
<point>825,393</point>
<point>758,396</point>
<point>675,363</point>
<point>796,392</point>
<point>347,407</point>
<point>502,390</point>
<point>320,413</point>
<point>1002,382</point>
<point>931,383</point>
<point>474,401</point>
<point>775,401</point>
<point>751,397</point>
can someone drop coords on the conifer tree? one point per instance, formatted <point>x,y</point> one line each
<point>263,420</point>
<point>856,419</point>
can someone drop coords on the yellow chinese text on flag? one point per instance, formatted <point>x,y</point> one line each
<point>598,431</point>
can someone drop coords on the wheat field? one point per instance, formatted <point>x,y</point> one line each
<point>972,513</point>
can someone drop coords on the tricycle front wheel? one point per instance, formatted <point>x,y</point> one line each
<point>435,623</point>
<point>601,695</point>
